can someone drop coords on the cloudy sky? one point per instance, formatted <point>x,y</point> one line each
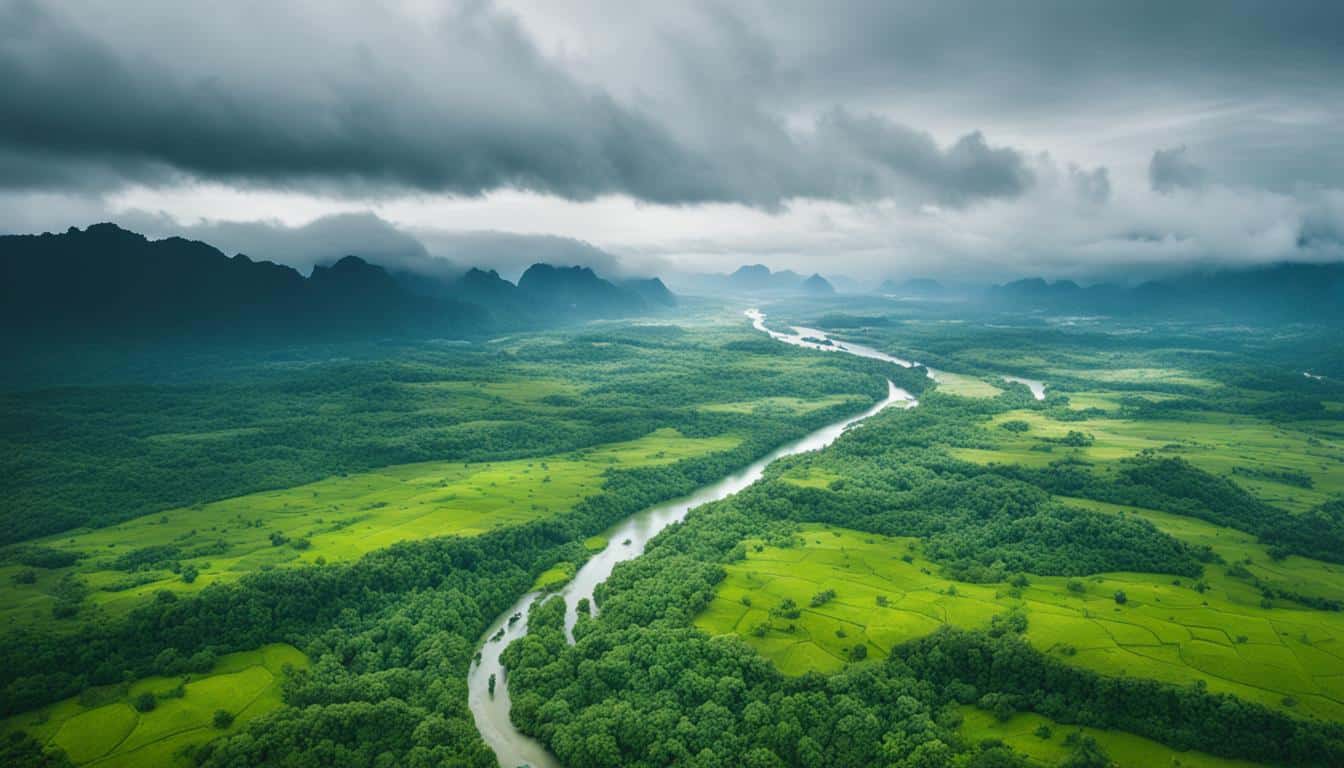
<point>980,140</point>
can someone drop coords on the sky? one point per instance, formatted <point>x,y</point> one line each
<point>959,140</point>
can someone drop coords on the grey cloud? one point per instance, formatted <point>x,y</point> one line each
<point>1170,170</point>
<point>1026,55</point>
<point>322,241</point>
<point>470,106</point>
<point>1092,186</point>
<point>511,253</point>
<point>72,97</point>
<point>872,156</point>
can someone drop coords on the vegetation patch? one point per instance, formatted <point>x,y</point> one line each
<point>965,386</point>
<point>337,519</point>
<point>155,721</point>
<point>554,577</point>
<point>1214,633</point>
<point>1047,743</point>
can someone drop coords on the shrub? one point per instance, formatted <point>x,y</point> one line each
<point>145,702</point>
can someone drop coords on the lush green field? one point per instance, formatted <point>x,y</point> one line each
<point>1022,733</point>
<point>103,728</point>
<point>792,405</point>
<point>337,519</point>
<point>1290,465</point>
<point>379,507</point>
<point>1285,656</point>
<point>376,506</point>
<point>964,386</point>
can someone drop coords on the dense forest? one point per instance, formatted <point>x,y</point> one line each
<point>642,687</point>
<point>390,634</point>
<point>981,485</point>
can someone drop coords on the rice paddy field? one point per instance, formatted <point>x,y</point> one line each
<point>1284,656</point>
<point>103,727</point>
<point>336,519</point>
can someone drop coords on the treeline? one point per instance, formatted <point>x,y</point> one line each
<point>966,665</point>
<point>97,455</point>
<point>1172,484</point>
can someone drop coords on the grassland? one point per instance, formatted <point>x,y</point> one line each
<point>336,519</point>
<point>1125,750</point>
<point>1284,656</point>
<point>108,732</point>
<point>964,386</point>
<point>790,405</point>
<point>1224,444</point>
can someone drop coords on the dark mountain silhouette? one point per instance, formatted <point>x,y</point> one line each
<point>1282,292</point>
<point>576,292</point>
<point>107,282</point>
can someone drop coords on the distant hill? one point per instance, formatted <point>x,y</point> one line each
<point>758,278</point>
<point>1282,292</point>
<point>751,277</point>
<point>652,291</point>
<point>818,286</point>
<point>105,281</point>
<point>576,292</point>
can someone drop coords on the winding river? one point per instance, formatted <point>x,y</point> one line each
<point>625,542</point>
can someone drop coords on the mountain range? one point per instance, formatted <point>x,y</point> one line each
<point>758,278</point>
<point>105,281</point>
<point>1281,292</point>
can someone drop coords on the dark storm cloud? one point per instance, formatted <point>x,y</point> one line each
<point>1170,170</point>
<point>478,109</point>
<point>71,97</point>
<point>865,157</point>
<point>1022,54</point>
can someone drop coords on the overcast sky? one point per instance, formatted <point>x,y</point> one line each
<point>982,140</point>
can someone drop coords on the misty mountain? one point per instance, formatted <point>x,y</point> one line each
<point>106,281</point>
<point>817,286</point>
<point>576,292</point>
<point>1283,292</point>
<point>758,278</point>
<point>651,290</point>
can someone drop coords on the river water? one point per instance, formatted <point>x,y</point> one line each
<point>813,338</point>
<point>625,542</point>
